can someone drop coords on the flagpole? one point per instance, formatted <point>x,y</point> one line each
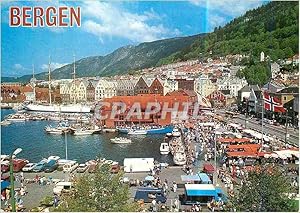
<point>262,118</point>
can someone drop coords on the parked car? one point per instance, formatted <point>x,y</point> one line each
<point>70,166</point>
<point>115,168</point>
<point>39,167</point>
<point>28,167</point>
<point>82,168</point>
<point>51,165</point>
<point>18,164</point>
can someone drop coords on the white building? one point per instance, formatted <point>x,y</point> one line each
<point>204,86</point>
<point>105,89</point>
<point>262,56</point>
<point>170,86</point>
<point>231,84</point>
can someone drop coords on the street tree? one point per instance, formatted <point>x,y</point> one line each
<point>266,189</point>
<point>98,192</point>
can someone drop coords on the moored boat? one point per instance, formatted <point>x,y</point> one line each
<point>179,158</point>
<point>5,123</point>
<point>16,118</point>
<point>137,132</point>
<point>121,140</point>
<point>176,132</point>
<point>150,129</point>
<point>164,148</point>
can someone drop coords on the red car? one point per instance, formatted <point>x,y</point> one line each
<point>18,164</point>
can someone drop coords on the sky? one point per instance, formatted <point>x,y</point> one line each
<point>106,26</point>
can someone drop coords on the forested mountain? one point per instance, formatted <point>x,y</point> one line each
<point>122,60</point>
<point>271,28</point>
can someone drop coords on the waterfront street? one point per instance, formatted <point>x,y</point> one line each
<point>278,131</point>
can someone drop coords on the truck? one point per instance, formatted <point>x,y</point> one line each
<point>201,194</point>
<point>138,164</point>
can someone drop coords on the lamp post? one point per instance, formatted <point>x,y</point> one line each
<point>11,174</point>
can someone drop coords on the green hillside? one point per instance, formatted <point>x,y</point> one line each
<point>272,28</point>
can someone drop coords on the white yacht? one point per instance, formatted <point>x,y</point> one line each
<point>164,148</point>
<point>121,140</point>
<point>176,132</point>
<point>179,158</point>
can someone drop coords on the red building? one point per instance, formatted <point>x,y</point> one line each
<point>217,98</point>
<point>161,117</point>
<point>185,84</point>
<point>156,87</point>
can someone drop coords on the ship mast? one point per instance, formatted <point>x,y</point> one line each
<point>33,83</point>
<point>74,76</point>
<point>74,71</point>
<point>49,80</point>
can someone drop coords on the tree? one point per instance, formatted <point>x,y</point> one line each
<point>98,192</point>
<point>266,189</point>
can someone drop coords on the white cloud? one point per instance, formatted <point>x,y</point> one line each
<point>54,65</point>
<point>18,67</point>
<point>218,11</point>
<point>105,19</point>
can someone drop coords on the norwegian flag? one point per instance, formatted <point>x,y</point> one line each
<point>272,103</point>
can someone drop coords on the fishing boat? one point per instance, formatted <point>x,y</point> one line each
<point>179,158</point>
<point>80,132</point>
<point>120,140</point>
<point>53,130</point>
<point>16,118</point>
<point>137,132</point>
<point>176,132</point>
<point>109,130</point>
<point>5,123</point>
<point>164,148</point>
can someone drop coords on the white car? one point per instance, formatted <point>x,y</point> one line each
<point>82,168</point>
<point>70,166</point>
<point>28,167</point>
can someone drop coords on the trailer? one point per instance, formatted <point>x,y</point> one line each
<point>138,164</point>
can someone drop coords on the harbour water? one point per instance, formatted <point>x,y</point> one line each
<point>37,144</point>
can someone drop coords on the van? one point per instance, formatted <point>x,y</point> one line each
<point>61,187</point>
<point>70,166</point>
<point>50,166</point>
<point>148,194</point>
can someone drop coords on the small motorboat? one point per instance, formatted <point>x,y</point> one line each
<point>169,134</point>
<point>164,148</point>
<point>16,118</point>
<point>137,132</point>
<point>52,130</point>
<point>5,123</point>
<point>176,133</point>
<point>120,140</point>
<point>179,158</point>
<point>80,132</point>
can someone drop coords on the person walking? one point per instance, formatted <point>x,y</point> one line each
<point>174,187</point>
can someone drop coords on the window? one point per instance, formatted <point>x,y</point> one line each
<point>284,98</point>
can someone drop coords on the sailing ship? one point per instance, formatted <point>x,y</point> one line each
<point>69,108</point>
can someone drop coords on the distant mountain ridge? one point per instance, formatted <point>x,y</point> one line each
<point>120,61</point>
